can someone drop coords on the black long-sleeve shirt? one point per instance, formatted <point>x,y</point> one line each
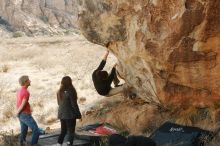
<point>103,86</point>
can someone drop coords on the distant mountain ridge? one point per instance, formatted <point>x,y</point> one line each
<point>37,17</point>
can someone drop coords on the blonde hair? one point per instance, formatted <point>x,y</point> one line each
<point>23,79</point>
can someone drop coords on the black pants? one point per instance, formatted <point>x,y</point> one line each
<point>67,125</point>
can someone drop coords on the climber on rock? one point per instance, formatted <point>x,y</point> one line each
<point>102,80</point>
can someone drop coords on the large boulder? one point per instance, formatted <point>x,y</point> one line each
<point>168,50</point>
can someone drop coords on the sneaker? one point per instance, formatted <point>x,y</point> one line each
<point>68,143</point>
<point>24,143</point>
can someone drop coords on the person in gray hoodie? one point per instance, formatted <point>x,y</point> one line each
<point>68,110</point>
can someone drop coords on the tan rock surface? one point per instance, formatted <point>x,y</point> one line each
<point>168,49</point>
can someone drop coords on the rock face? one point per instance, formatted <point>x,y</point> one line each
<point>39,16</point>
<point>168,49</point>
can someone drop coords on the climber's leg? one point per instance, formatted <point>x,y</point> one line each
<point>116,90</point>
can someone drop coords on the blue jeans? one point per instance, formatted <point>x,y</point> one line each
<point>26,120</point>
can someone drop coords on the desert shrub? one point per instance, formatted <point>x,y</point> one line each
<point>18,34</point>
<point>48,116</point>
<point>44,109</point>
<point>20,53</point>
<point>5,68</point>
<point>41,64</point>
<point>8,138</point>
<point>72,31</point>
<point>1,92</point>
<point>7,109</point>
<point>45,19</point>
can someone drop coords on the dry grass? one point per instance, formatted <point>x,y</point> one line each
<point>42,64</point>
<point>4,68</point>
<point>185,117</point>
<point>18,34</point>
<point>8,138</point>
<point>20,53</point>
<point>206,118</point>
<point>215,141</point>
<point>49,116</point>
<point>46,60</point>
<point>7,109</point>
